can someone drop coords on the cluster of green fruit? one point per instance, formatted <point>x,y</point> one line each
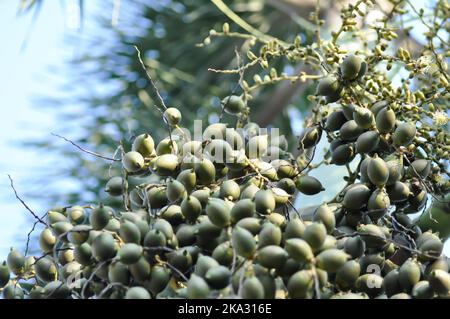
<point>220,223</point>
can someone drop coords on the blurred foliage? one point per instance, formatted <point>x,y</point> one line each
<point>113,98</point>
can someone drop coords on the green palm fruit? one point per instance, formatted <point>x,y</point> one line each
<point>230,190</point>
<point>295,228</point>
<point>188,178</point>
<point>287,185</point>
<point>315,235</point>
<point>363,117</point>
<point>159,278</point>
<point>215,131</point>
<point>350,131</point>
<point>301,285</point>
<point>191,208</point>
<point>324,215</point>
<point>16,262</point>
<point>129,232</point>
<point>355,246</point>
<point>137,293</point>
<point>181,259</point>
<point>242,209</point>
<point>257,146</point>
<point>207,230</point>
<point>396,171</point>
<point>404,134</point>
<point>371,284</point>
<point>440,263</point>
<point>343,154</point>
<point>367,142</point>
<point>130,253</point>
<point>45,269</point>
<point>347,275</point>
<point>419,168</point>
<point>350,67</point>
<point>378,171</point>
<point>243,242</point>
<point>438,211</point>
<point>409,274</point>
<point>272,256</point>
<point>373,235</point>
<point>422,290</point>
<point>309,137</point>
<point>166,146</point>
<point>172,116</point>
<point>155,238</point>
<point>186,235</point>
<point>331,260</point>
<point>309,185</point>
<point>269,235</point>
<point>204,263</point>
<point>144,144</point>
<point>47,240</point>
<point>249,191</point>
<point>205,171</point>
<point>197,288</point>
<point>233,104</point>
<point>133,161</point>
<point>175,190</point>
<point>61,230</point>
<point>100,217</point>
<point>264,202</point>
<point>164,227</point>
<point>76,215</point>
<point>266,169</point>
<point>356,196</point>
<point>253,225</point>
<point>218,277</point>
<point>115,186</point>
<point>398,192</point>
<point>299,250</point>
<point>13,291</point>
<point>348,110</point>
<point>335,121</point>
<point>4,274</point>
<point>173,214</point>
<point>218,150</point>
<point>104,247</point>
<point>252,288</point>
<point>378,204</point>
<point>431,249</point>
<point>218,212</point>
<point>385,120</point>
<point>83,254</point>
<point>157,197</point>
<point>118,273</point>
<point>378,106</point>
<point>166,164</point>
<point>70,269</point>
<point>54,217</point>
<point>391,283</point>
<point>223,253</point>
<point>56,290</point>
<point>440,282</point>
<point>416,202</point>
<point>284,168</point>
<point>65,256</point>
<point>140,270</point>
<point>328,86</point>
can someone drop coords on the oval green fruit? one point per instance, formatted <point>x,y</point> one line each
<point>264,202</point>
<point>385,120</point>
<point>100,217</point>
<point>45,269</point>
<point>13,291</point>
<point>324,215</point>
<point>367,142</point>
<point>16,261</point>
<point>115,186</point>
<point>197,288</point>
<point>370,284</point>
<point>299,250</point>
<point>233,104</point>
<point>378,204</point>
<point>218,212</point>
<point>309,185</point>
<point>242,209</point>
<point>252,288</point>
<point>363,117</point>
<point>159,278</point>
<point>205,171</point>
<point>301,285</point>
<point>347,275</point>
<point>342,154</point>
<point>419,168</point>
<point>350,67</point>
<point>188,178</point>
<point>130,253</point>
<point>315,235</point>
<point>272,257</point>
<point>104,247</point>
<point>331,260</point>
<point>335,121</point>
<point>404,134</point>
<point>378,172</point>
<point>218,277</point>
<point>350,131</point>
<point>356,197</point>
<point>129,232</point>
<point>243,242</point>
<point>137,293</point>
<point>175,190</point>
<point>133,161</point>
<point>409,274</point>
<point>144,144</point>
<point>172,116</point>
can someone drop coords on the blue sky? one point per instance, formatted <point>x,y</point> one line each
<point>25,74</point>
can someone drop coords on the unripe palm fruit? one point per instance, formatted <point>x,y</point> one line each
<point>438,211</point>
<point>230,190</point>
<point>45,269</point>
<point>356,196</point>
<point>16,262</point>
<point>172,116</point>
<point>331,260</point>
<point>191,208</point>
<point>343,154</point>
<point>144,144</point>
<point>166,164</point>
<point>409,274</point>
<point>243,242</point>
<point>54,217</point>
<point>324,215</point>
<point>56,290</point>
<point>175,190</point>
<point>129,232</point>
<point>188,179</point>
<point>385,120</point>
<point>309,137</point>
<point>378,204</point>
<point>398,192</point>
<point>404,134</point>
<point>204,263</point>
<point>315,235</point>
<point>133,161</point>
<point>218,277</point>
<point>218,212</point>
<point>335,121</point>
<point>205,171</point>
<point>370,284</point>
<point>367,142</point>
<point>118,273</point>
<point>140,270</point>
<point>157,197</point>
<point>350,131</point>
<point>378,171</point>
<point>242,209</point>
<point>137,293</point>
<point>419,168</point>
<point>264,202</point>
<point>378,106</point>
<point>257,146</point>
<point>301,285</point>
<point>347,275</point>
<point>440,282</point>
<point>130,253</point>
<point>396,171</point>
<point>197,288</point>
<point>100,217</point>
<point>104,247</point>
<point>159,278</point>
<point>252,288</point>
<point>299,250</point>
<point>363,117</point>
<point>295,228</point>
<point>4,274</point>
<point>83,254</point>
<point>355,246</point>
<point>171,213</point>
<point>272,257</point>
<point>309,185</point>
<point>233,104</point>
<point>13,291</point>
<point>351,67</point>
<point>166,146</point>
<point>422,290</point>
<point>115,186</point>
<point>47,240</point>
<point>61,230</point>
<point>223,253</point>
<point>391,284</point>
<point>328,86</point>
<point>373,235</point>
